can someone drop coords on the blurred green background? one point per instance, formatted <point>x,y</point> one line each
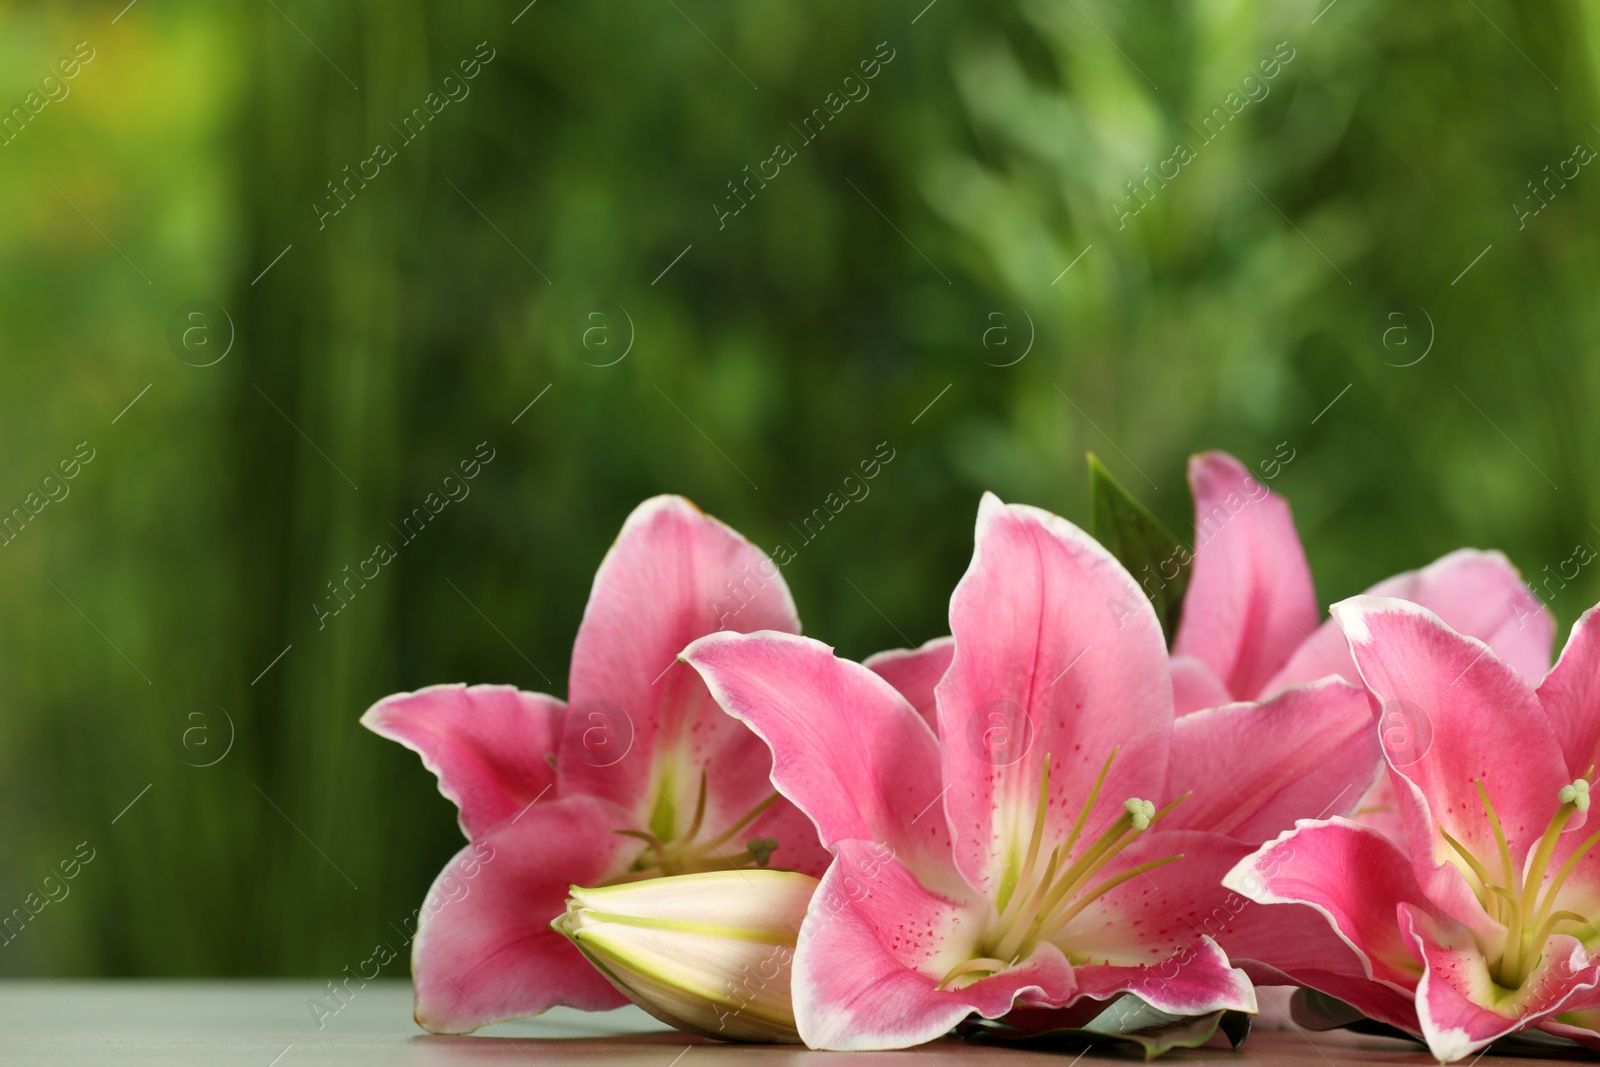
<point>903,279</point>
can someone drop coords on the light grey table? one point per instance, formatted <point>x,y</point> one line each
<point>268,1024</point>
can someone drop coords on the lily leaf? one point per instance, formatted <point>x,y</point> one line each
<point>1158,561</point>
<point>1235,1027</point>
<point>1126,1022</point>
<point>1312,1009</point>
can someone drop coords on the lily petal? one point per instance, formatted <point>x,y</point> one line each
<point>1454,716</point>
<point>915,671</point>
<point>1058,654</point>
<point>1582,1026</point>
<point>1196,687</point>
<point>1196,980</point>
<point>1305,950</point>
<point>1255,768</point>
<point>871,951</point>
<point>1476,593</point>
<point>1571,696</point>
<point>1355,877</point>
<point>489,745</point>
<point>1250,601</point>
<point>1460,1007</point>
<point>846,747</point>
<point>1380,809</point>
<point>673,575</point>
<point>484,951</point>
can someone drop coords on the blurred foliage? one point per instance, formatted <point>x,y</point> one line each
<point>881,289</point>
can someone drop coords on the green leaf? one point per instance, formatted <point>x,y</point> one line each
<point>1158,561</point>
<point>1313,1009</point>
<point>1236,1025</point>
<point>1127,1021</point>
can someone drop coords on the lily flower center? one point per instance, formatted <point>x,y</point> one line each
<point>694,851</point>
<point>1525,905</point>
<point>1037,901</point>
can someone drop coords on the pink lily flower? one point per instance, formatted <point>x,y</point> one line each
<point>640,775</point>
<point>1036,851</point>
<point>1483,919</point>
<point>1249,632</point>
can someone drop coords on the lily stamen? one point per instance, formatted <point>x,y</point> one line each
<point>1526,906</point>
<point>1034,905</point>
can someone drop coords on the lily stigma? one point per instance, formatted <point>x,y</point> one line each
<point>1035,905</point>
<point>668,852</point>
<point>1526,907</point>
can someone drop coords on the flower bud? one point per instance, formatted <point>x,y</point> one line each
<point>707,953</point>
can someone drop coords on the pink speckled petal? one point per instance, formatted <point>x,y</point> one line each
<point>1059,655</point>
<point>874,946</point>
<point>1459,1005</point>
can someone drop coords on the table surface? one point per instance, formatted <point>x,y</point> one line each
<point>270,1024</point>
